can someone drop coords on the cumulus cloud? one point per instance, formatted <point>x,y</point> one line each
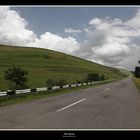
<point>14,30</point>
<point>95,21</point>
<point>134,22</point>
<point>113,41</point>
<point>72,31</point>
<point>54,42</point>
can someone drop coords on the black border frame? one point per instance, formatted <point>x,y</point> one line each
<point>60,134</point>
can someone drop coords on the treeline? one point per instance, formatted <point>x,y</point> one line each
<point>90,77</point>
<point>95,77</point>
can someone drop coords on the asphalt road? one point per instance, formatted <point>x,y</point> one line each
<point>111,106</point>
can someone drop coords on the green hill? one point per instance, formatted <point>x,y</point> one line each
<point>43,64</point>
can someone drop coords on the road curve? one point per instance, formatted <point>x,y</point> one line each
<point>111,106</point>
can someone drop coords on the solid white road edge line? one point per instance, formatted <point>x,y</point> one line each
<point>71,105</point>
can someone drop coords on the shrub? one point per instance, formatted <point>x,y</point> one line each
<point>102,77</point>
<point>16,77</point>
<point>60,82</point>
<point>78,81</point>
<point>93,77</point>
<point>50,83</point>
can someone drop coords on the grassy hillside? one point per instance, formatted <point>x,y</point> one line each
<point>43,64</point>
<point>126,72</point>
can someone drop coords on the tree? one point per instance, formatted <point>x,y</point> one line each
<point>102,77</point>
<point>60,82</point>
<point>93,77</point>
<point>78,81</point>
<point>50,83</point>
<point>16,77</point>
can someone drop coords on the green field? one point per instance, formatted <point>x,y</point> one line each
<point>43,64</point>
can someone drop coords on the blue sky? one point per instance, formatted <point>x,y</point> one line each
<point>105,35</point>
<point>55,19</point>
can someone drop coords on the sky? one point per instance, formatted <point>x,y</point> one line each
<point>105,35</point>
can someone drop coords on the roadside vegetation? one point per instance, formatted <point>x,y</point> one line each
<point>16,78</point>
<point>137,82</point>
<point>53,82</point>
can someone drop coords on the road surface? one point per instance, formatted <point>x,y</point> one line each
<point>111,106</point>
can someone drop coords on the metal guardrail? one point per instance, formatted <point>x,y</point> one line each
<point>3,93</point>
<point>42,89</point>
<point>10,92</point>
<point>23,91</point>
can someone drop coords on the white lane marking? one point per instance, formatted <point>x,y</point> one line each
<point>71,104</point>
<point>106,89</point>
<point>107,92</point>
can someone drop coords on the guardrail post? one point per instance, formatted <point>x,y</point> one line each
<point>12,92</point>
<point>49,88</point>
<point>33,90</point>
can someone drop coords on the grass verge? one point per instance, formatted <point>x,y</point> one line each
<point>13,99</point>
<point>137,82</point>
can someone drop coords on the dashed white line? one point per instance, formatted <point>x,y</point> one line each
<point>71,105</point>
<point>106,89</point>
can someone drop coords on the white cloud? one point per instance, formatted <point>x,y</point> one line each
<point>135,21</point>
<point>13,28</point>
<point>14,31</point>
<point>54,42</point>
<point>113,41</point>
<point>73,31</point>
<point>95,21</point>
<point>111,50</point>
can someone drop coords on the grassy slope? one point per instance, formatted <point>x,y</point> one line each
<point>43,64</point>
<point>126,72</point>
<point>137,82</point>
